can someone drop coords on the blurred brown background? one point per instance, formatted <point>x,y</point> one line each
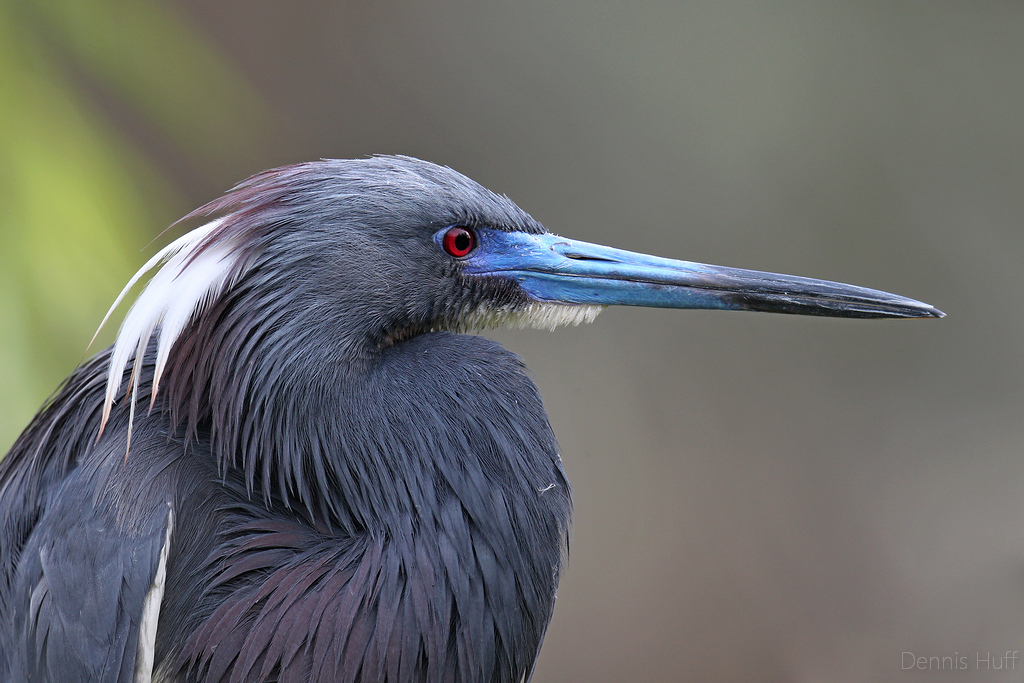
<point>758,498</point>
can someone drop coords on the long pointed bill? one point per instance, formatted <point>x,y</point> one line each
<point>555,269</point>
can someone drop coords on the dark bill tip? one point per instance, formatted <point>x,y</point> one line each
<point>556,269</point>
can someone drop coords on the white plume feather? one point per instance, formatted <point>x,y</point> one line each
<point>186,284</point>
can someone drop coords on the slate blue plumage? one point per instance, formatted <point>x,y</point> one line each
<point>332,482</point>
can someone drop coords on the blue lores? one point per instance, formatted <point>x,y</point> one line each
<point>559,270</point>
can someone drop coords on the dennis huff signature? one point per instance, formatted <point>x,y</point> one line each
<point>979,661</point>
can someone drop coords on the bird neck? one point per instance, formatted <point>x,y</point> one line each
<point>370,440</point>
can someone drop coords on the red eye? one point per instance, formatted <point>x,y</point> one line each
<point>458,241</point>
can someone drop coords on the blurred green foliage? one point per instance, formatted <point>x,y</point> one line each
<point>78,200</point>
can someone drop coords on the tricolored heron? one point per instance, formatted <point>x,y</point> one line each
<point>293,466</point>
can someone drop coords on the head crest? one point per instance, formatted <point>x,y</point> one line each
<point>196,269</point>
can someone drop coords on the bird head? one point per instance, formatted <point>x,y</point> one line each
<point>337,260</point>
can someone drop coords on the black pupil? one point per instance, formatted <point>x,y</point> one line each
<point>462,241</point>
